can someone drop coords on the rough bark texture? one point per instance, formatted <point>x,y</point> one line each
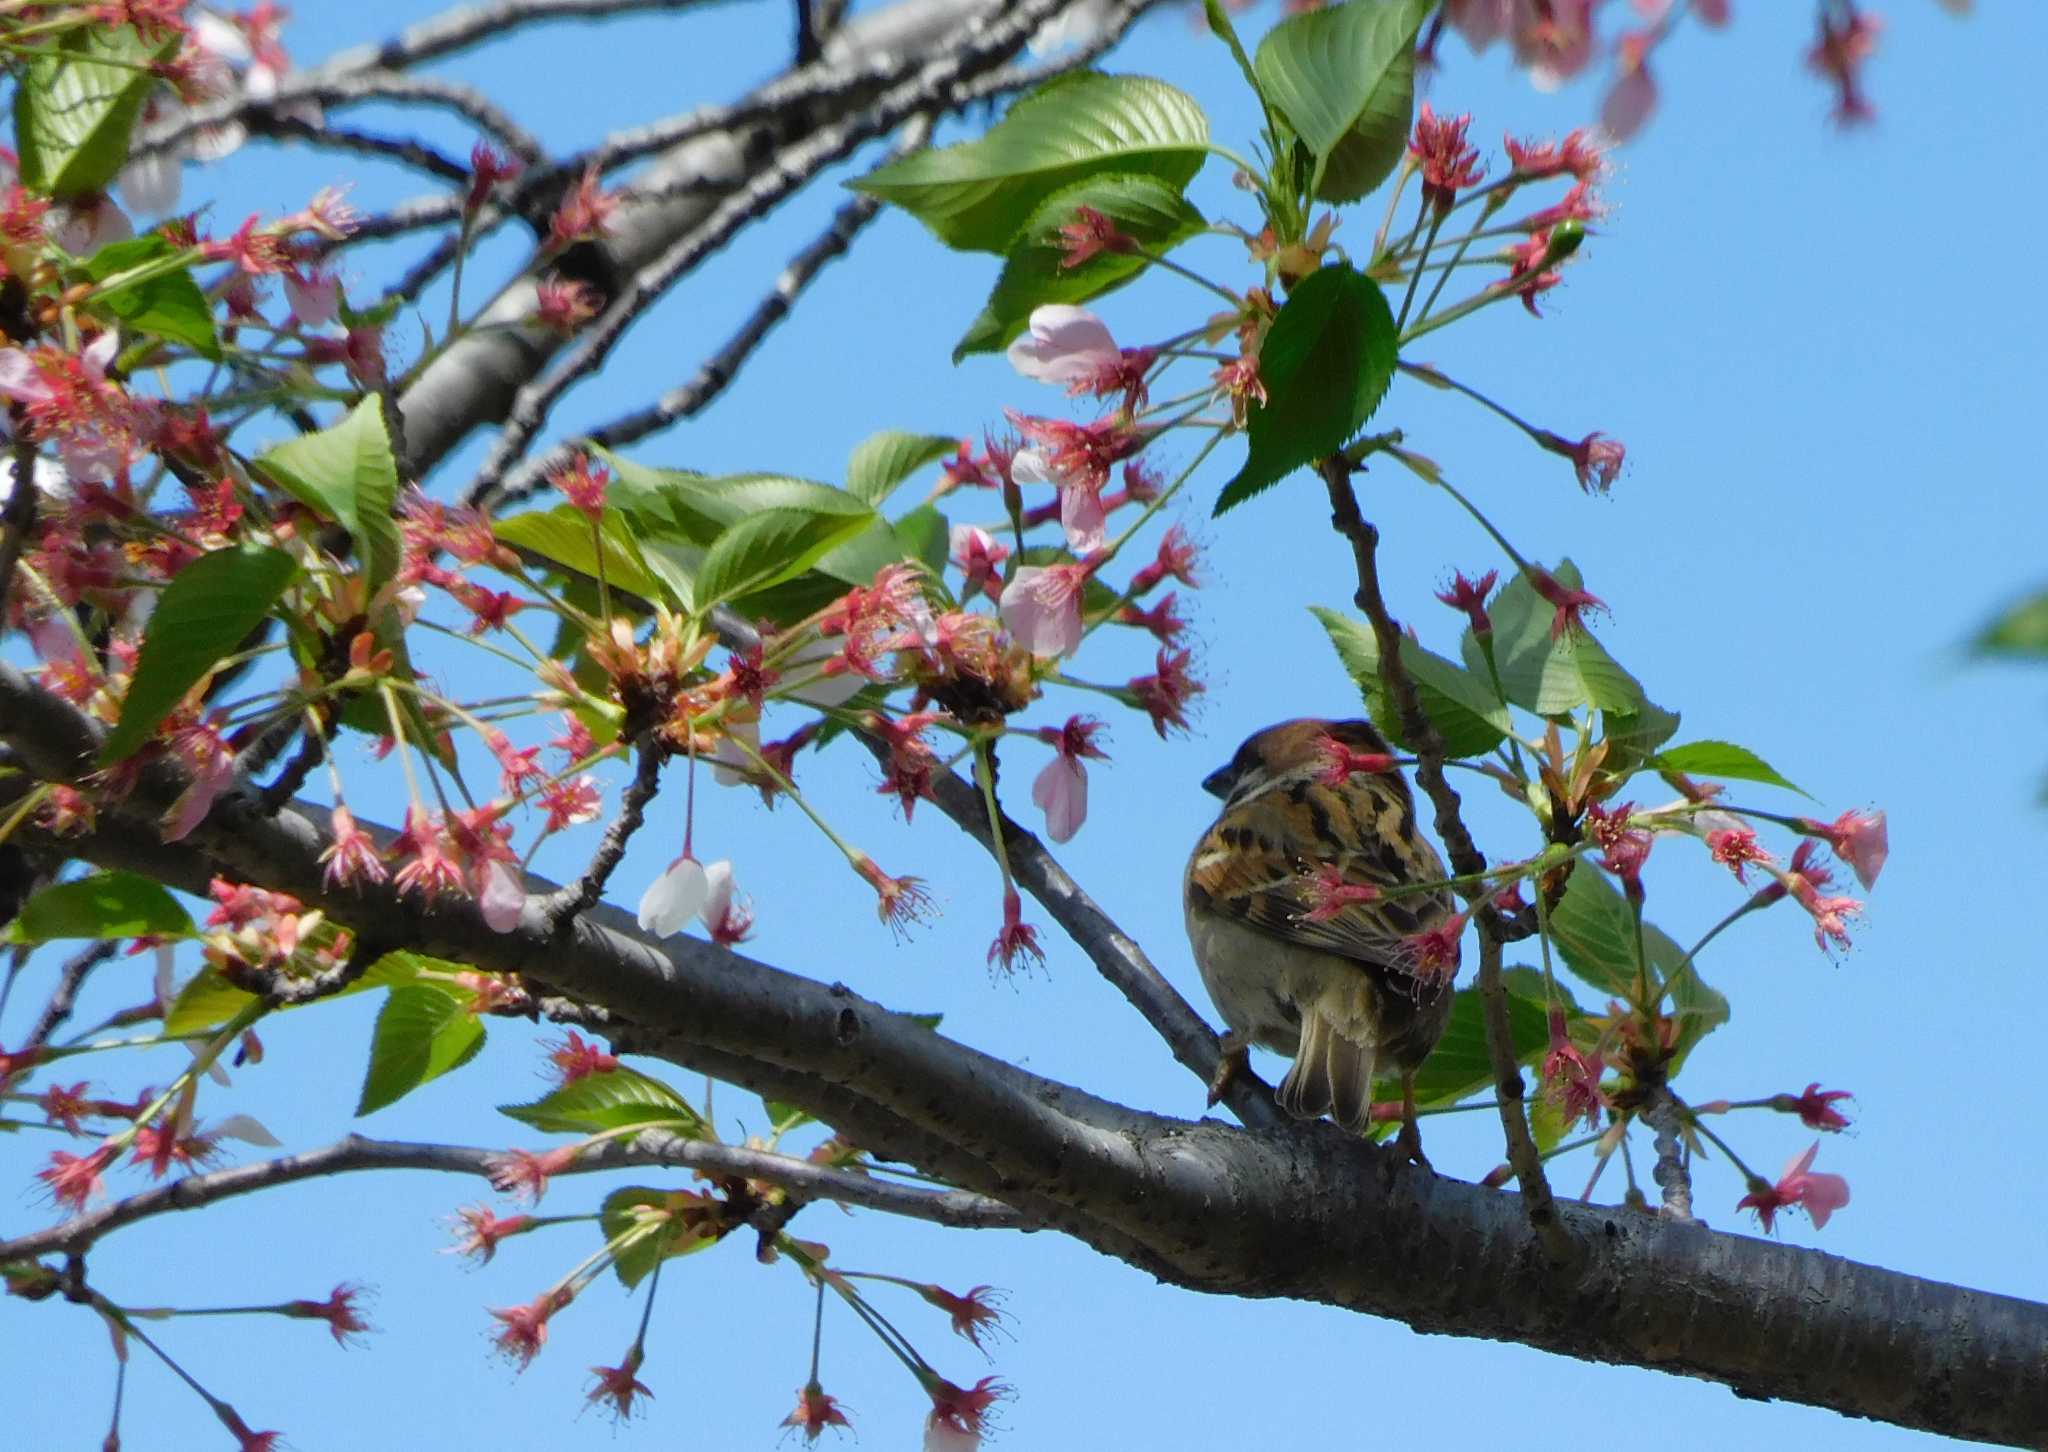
<point>1303,1212</point>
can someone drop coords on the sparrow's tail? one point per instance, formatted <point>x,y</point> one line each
<point>1332,1075</point>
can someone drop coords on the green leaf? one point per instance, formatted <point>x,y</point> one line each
<point>884,460</point>
<point>768,548</point>
<point>1595,931</point>
<point>1459,1066</point>
<point>104,905</point>
<point>1035,271</point>
<point>1461,705</point>
<point>203,615</point>
<point>1722,759</point>
<point>76,104</point>
<point>686,1227</point>
<point>2021,630</point>
<point>348,474</point>
<point>1633,737</point>
<point>977,196</point>
<point>1345,80</point>
<point>1554,677</point>
<point>561,536</point>
<point>924,536</point>
<point>423,1031</point>
<point>611,1100</point>
<point>209,1000</point>
<point>782,1118</point>
<point>1325,363</point>
<point>167,304</point>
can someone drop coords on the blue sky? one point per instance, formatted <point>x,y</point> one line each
<point>1827,394</point>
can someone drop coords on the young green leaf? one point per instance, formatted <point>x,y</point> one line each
<point>977,196</point>
<point>348,474</point>
<point>882,461</point>
<point>671,1223</point>
<point>76,103</point>
<point>1460,705</point>
<point>166,304</point>
<point>1460,1066</point>
<point>423,1031</point>
<point>1723,759</point>
<point>104,905</point>
<point>209,1000</point>
<point>1595,932</point>
<point>1035,273</point>
<point>1553,676</point>
<point>561,536</point>
<point>768,548</point>
<point>1326,363</point>
<point>610,1100</point>
<point>1345,80</point>
<point>2021,630</point>
<point>203,615</point>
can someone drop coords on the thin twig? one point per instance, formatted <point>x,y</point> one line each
<point>580,896</point>
<point>18,514</point>
<point>1670,1173</point>
<point>717,372</point>
<point>1466,858</point>
<point>944,1207</point>
<point>931,89</point>
<point>65,996</point>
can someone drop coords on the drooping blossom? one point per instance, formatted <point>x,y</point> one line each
<point>728,917</point>
<point>617,1386</point>
<point>71,402</point>
<point>1434,952</point>
<point>1806,879</point>
<point>1596,459</point>
<point>1469,596</point>
<point>1571,604</point>
<point>1341,762</point>
<point>1819,1195</point>
<point>1859,839</point>
<point>975,1314</point>
<point>1176,558</point>
<point>1814,1107</point>
<point>1329,894</point>
<point>1847,41</point>
<point>1580,154</point>
<point>479,1229</point>
<point>1073,349</point>
<point>1624,848</point>
<point>1016,940</point>
<point>340,1311</point>
<point>899,901</point>
<point>1162,619</point>
<point>1571,1078</point>
<point>522,1172</point>
<point>1061,789</point>
<point>585,213</point>
<point>487,167</point>
<point>959,1415</point>
<point>815,1411</point>
<point>1165,694</point>
<point>1633,95</point>
<point>673,898</point>
<point>523,1330</point>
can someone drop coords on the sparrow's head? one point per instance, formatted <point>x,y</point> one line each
<point>1292,748</point>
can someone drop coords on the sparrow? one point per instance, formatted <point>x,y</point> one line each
<point>1303,901</point>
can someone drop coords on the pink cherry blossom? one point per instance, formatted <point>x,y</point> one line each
<point>675,897</point>
<point>1042,608</point>
<point>1819,1195</point>
<point>1066,346</point>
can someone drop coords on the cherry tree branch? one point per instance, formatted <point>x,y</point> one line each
<point>355,1153</point>
<point>718,371</point>
<point>1466,858</point>
<point>1302,1211</point>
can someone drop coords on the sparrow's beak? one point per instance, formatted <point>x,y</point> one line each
<point>1217,783</point>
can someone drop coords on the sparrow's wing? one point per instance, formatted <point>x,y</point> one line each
<point>1260,864</point>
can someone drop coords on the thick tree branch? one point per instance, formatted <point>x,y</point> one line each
<point>1299,1211</point>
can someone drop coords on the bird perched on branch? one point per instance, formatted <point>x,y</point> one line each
<point>1314,921</point>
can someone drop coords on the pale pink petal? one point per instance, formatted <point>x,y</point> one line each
<point>1042,608</point>
<point>1061,792</point>
<point>151,185</point>
<point>1824,1195</point>
<point>247,1130</point>
<point>504,896</point>
<point>21,380</point>
<point>673,898</point>
<point>1065,345</point>
<point>1081,516</point>
<point>1629,103</point>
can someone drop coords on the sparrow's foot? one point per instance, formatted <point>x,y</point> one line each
<point>1235,1058</point>
<point>1409,1140</point>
